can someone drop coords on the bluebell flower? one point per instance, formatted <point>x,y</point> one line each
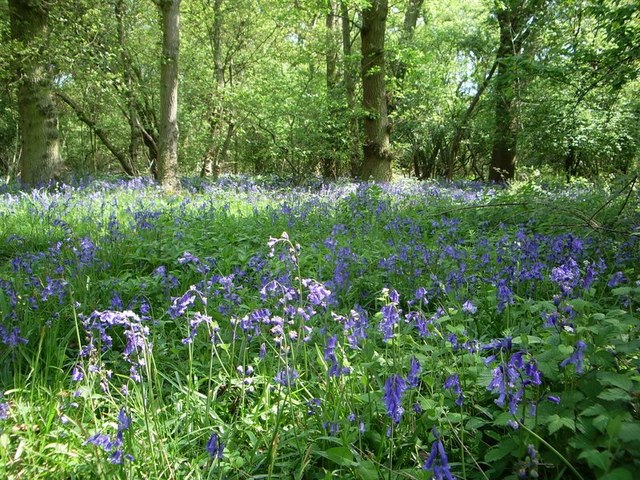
<point>616,279</point>
<point>4,410</point>
<point>469,307</point>
<point>312,406</point>
<point>453,383</point>
<point>577,357</point>
<point>437,462</point>
<point>287,377</point>
<point>394,388</point>
<point>413,379</point>
<point>215,447</point>
<point>390,317</point>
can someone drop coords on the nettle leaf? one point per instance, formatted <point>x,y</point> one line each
<point>630,432</point>
<point>596,458</point>
<point>501,450</point>
<point>614,395</point>
<point>616,380</point>
<point>556,422</point>
<point>594,410</point>
<point>618,474</point>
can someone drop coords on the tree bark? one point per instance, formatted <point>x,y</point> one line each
<point>168,139</point>
<point>516,18</point>
<point>458,132</point>
<point>329,162</point>
<point>135,136</point>
<point>355,163</point>
<point>40,159</point>
<point>503,155</point>
<point>411,16</point>
<point>99,132</point>
<point>377,146</point>
<point>211,161</point>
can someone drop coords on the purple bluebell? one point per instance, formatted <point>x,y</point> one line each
<point>180,305</point>
<point>469,307</point>
<point>318,293</point>
<point>617,279</point>
<point>504,295</point>
<point>413,378</point>
<point>390,317</point>
<point>215,447</point>
<point>437,462</point>
<point>577,357</point>
<point>453,383</point>
<point>394,388</point>
<point>76,374</point>
<point>287,377</point>
<point>313,405</point>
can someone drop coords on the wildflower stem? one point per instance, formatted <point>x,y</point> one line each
<point>550,447</point>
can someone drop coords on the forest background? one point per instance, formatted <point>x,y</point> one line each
<point>304,87</point>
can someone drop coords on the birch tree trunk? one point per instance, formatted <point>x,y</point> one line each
<point>168,139</point>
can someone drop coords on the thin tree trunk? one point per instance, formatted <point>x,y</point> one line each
<point>99,132</point>
<point>134,131</point>
<point>516,19</point>
<point>211,161</point>
<point>329,163</point>
<point>40,159</point>
<point>503,155</point>
<point>355,163</point>
<point>411,16</point>
<point>459,129</point>
<point>377,146</point>
<point>168,140</point>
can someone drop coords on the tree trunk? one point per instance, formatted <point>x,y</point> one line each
<point>350,91</point>
<point>134,131</point>
<point>377,146</point>
<point>516,19</point>
<point>168,140</point>
<point>411,16</point>
<point>458,132</point>
<point>329,162</point>
<point>40,159</point>
<point>503,156</point>
<point>212,158</point>
<point>98,132</point>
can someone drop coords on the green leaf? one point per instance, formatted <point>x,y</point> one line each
<point>616,380</point>
<point>500,451</point>
<point>614,395</point>
<point>340,455</point>
<point>618,474</point>
<point>556,422</point>
<point>596,458</point>
<point>366,470</point>
<point>629,432</point>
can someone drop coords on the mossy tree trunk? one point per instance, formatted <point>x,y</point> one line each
<point>377,146</point>
<point>40,159</point>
